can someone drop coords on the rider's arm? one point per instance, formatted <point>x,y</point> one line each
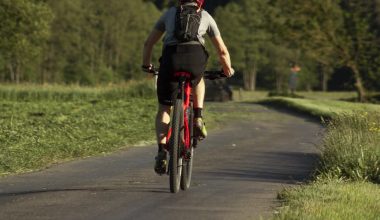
<point>224,55</point>
<point>152,39</point>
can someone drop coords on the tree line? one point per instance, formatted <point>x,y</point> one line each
<point>322,36</point>
<point>73,41</point>
<point>98,41</point>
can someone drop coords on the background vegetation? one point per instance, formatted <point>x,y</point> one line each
<point>336,42</point>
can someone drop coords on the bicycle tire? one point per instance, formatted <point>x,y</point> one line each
<point>187,167</point>
<point>175,164</point>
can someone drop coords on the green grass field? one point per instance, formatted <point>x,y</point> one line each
<point>40,126</point>
<point>43,125</point>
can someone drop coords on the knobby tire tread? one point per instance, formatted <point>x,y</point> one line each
<point>187,166</point>
<point>175,177</point>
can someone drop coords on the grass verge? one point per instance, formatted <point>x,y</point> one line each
<point>36,134</point>
<point>346,185</point>
<point>331,199</point>
<point>320,107</point>
<point>40,126</point>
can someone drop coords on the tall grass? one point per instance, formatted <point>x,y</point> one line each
<point>134,89</point>
<point>351,148</point>
<point>41,125</point>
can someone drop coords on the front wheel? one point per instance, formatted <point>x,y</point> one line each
<point>187,170</point>
<point>175,164</point>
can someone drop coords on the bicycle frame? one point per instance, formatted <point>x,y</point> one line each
<point>179,140</point>
<point>184,93</point>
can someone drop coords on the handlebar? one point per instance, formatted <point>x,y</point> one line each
<point>210,75</point>
<point>215,74</point>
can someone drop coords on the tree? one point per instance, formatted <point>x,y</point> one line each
<point>97,42</point>
<point>334,33</point>
<point>246,35</point>
<point>24,28</point>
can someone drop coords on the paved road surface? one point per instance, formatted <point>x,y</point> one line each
<point>238,172</point>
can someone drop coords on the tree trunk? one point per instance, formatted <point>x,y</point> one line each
<point>250,73</point>
<point>278,83</point>
<point>359,83</point>
<point>11,72</point>
<point>18,74</point>
<point>325,80</point>
<point>246,80</point>
<point>250,79</point>
<point>253,78</point>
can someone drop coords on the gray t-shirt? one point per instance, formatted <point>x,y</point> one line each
<point>167,24</point>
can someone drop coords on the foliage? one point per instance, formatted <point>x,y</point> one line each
<point>90,43</point>
<point>98,42</point>
<point>97,46</point>
<point>23,29</point>
<point>250,39</point>
<point>334,33</point>
<point>351,147</point>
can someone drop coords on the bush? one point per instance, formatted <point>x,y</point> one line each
<point>351,147</point>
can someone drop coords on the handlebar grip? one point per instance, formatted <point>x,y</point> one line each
<point>212,75</point>
<point>150,70</point>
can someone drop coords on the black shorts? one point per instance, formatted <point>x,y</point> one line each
<point>187,58</point>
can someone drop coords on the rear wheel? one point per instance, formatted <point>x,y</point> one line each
<point>187,167</point>
<point>175,164</point>
<point>187,170</point>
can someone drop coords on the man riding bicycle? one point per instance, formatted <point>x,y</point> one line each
<point>182,53</point>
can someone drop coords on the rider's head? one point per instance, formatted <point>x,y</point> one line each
<point>199,2</point>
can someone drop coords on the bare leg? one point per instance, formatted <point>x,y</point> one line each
<point>199,94</point>
<point>162,123</point>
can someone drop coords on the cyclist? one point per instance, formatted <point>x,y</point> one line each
<point>189,56</point>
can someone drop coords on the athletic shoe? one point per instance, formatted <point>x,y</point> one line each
<point>200,128</point>
<point>161,163</point>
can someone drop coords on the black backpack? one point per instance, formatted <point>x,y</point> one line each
<point>187,22</point>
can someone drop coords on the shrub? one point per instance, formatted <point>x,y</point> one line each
<point>351,147</point>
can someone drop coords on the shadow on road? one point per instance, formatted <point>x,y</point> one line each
<point>273,167</point>
<point>97,189</point>
<point>288,110</point>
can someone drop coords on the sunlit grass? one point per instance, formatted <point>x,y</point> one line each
<point>331,199</point>
<point>32,92</point>
<point>351,147</point>
<point>329,95</point>
<point>350,161</point>
<point>42,125</point>
<point>322,107</point>
<point>36,134</point>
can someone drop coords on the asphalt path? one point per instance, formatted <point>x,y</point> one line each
<point>238,171</point>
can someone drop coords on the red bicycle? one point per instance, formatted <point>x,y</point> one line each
<point>181,140</point>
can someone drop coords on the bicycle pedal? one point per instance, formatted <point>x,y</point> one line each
<point>187,156</point>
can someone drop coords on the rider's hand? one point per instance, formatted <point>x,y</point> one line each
<point>229,72</point>
<point>148,68</point>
